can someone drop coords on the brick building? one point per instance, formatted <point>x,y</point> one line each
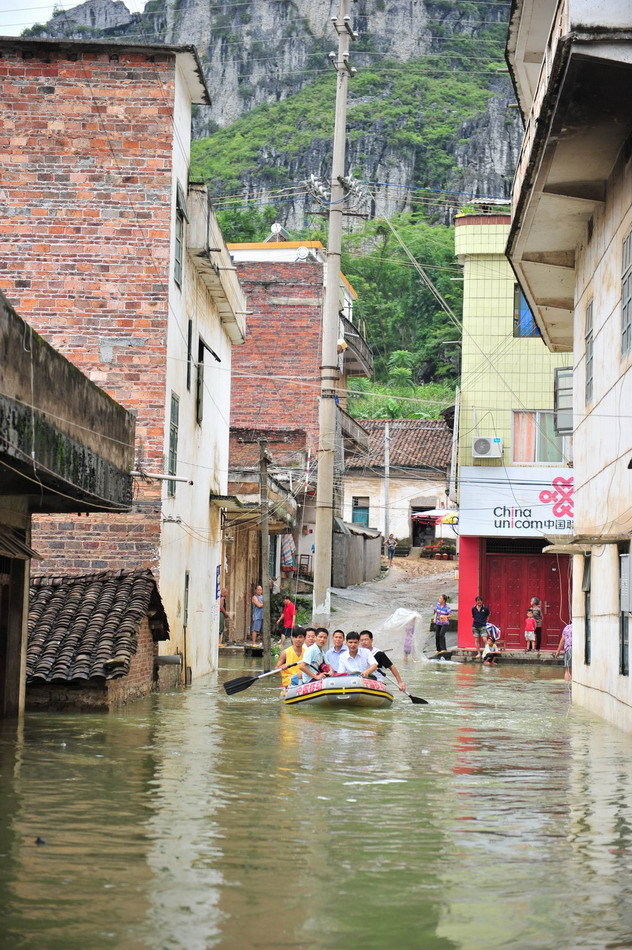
<point>276,382</point>
<point>118,261</point>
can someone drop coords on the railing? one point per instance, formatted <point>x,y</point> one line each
<point>351,429</point>
<point>361,350</point>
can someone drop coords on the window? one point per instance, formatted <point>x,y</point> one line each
<point>587,630</point>
<point>534,438</point>
<point>185,600</point>
<point>181,217</point>
<point>624,612</point>
<point>199,385</point>
<point>588,342</point>
<point>189,352</point>
<point>563,400</point>
<point>626,296</point>
<point>523,323</point>
<point>360,511</point>
<point>173,443</point>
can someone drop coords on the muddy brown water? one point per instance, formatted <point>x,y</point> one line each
<point>496,816</point>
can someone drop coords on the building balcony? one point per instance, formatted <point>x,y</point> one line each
<point>358,359</point>
<point>575,127</point>
<point>355,437</point>
<point>213,263</point>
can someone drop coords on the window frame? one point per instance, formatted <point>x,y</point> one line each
<point>626,295</point>
<point>519,320</point>
<point>357,507</point>
<point>589,355</point>
<point>172,458</point>
<point>536,461</point>
<point>178,250</point>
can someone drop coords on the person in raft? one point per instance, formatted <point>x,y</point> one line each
<point>384,662</point>
<point>292,654</point>
<point>288,616</point>
<point>310,636</point>
<point>313,660</point>
<point>529,631</point>
<point>358,659</point>
<point>332,656</point>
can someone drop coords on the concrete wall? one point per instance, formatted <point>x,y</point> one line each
<point>404,493</point>
<point>355,559</point>
<point>603,448</point>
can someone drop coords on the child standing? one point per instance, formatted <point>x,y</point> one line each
<point>529,630</point>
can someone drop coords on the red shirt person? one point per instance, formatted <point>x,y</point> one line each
<point>288,618</point>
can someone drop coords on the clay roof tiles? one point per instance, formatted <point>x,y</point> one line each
<point>414,443</point>
<point>85,627</point>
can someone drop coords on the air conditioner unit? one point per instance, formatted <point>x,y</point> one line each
<point>487,447</point>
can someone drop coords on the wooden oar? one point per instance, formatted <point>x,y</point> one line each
<point>416,700</point>
<point>243,682</point>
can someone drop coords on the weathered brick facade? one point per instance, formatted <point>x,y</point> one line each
<point>86,140</point>
<point>285,305</point>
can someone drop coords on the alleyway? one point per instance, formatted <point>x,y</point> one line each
<point>411,583</point>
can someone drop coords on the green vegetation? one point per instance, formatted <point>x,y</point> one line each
<point>374,400</point>
<point>406,327</point>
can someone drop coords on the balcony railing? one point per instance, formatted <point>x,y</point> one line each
<point>358,359</point>
<point>353,431</point>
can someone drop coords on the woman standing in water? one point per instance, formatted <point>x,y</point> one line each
<point>441,621</point>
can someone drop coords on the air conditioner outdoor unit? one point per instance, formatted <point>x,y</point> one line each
<point>487,447</point>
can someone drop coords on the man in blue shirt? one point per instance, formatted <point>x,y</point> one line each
<point>314,658</point>
<point>332,657</point>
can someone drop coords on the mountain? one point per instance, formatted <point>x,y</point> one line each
<point>430,121</point>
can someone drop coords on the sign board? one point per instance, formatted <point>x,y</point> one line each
<point>516,501</point>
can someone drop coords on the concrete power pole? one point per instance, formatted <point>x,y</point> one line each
<point>329,366</point>
<point>387,477</point>
<point>265,550</point>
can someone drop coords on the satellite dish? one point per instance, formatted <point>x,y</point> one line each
<point>302,253</point>
<point>276,228</point>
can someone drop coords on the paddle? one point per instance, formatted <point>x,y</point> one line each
<point>243,682</point>
<point>416,700</point>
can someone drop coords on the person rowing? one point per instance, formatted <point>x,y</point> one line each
<point>384,662</point>
<point>313,659</point>
<point>291,656</point>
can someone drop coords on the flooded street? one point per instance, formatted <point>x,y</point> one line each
<point>496,816</point>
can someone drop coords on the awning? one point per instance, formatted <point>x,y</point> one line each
<point>12,545</point>
<point>439,515</point>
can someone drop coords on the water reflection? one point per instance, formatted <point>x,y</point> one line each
<point>497,816</point>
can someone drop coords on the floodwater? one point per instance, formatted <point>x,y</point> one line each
<point>496,816</point>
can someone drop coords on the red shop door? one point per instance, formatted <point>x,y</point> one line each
<point>512,580</point>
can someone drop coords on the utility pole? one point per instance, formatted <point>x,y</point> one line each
<point>387,476</point>
<point>329,359</point>
<point>264,459</point>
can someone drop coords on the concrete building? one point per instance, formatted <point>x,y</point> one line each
<point>571,247</point>
<point>119,262</point>
<point>65,446</point>
<point>276,388</point>
<point>515,479</point>
<point>418,459</point>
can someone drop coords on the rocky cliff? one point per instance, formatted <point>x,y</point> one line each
<point>429,117</point>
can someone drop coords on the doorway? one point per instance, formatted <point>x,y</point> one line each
<point>511,580</point>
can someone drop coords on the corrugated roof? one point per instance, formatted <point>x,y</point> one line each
<point>414,443</point>
<point>86,627</point>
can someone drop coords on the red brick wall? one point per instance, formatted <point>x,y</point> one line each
<point>85,157</point>
<point>141,680</point>
<point>284,339</point>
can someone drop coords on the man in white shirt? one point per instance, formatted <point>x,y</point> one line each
<point>357,659</point>
<point>332,657</point>
<point>384,662</point>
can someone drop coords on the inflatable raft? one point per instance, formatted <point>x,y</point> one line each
<point>340,691</point>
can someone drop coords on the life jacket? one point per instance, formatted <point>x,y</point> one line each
<point>291,657</point>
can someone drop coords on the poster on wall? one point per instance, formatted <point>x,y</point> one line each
<point>516,501</point>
